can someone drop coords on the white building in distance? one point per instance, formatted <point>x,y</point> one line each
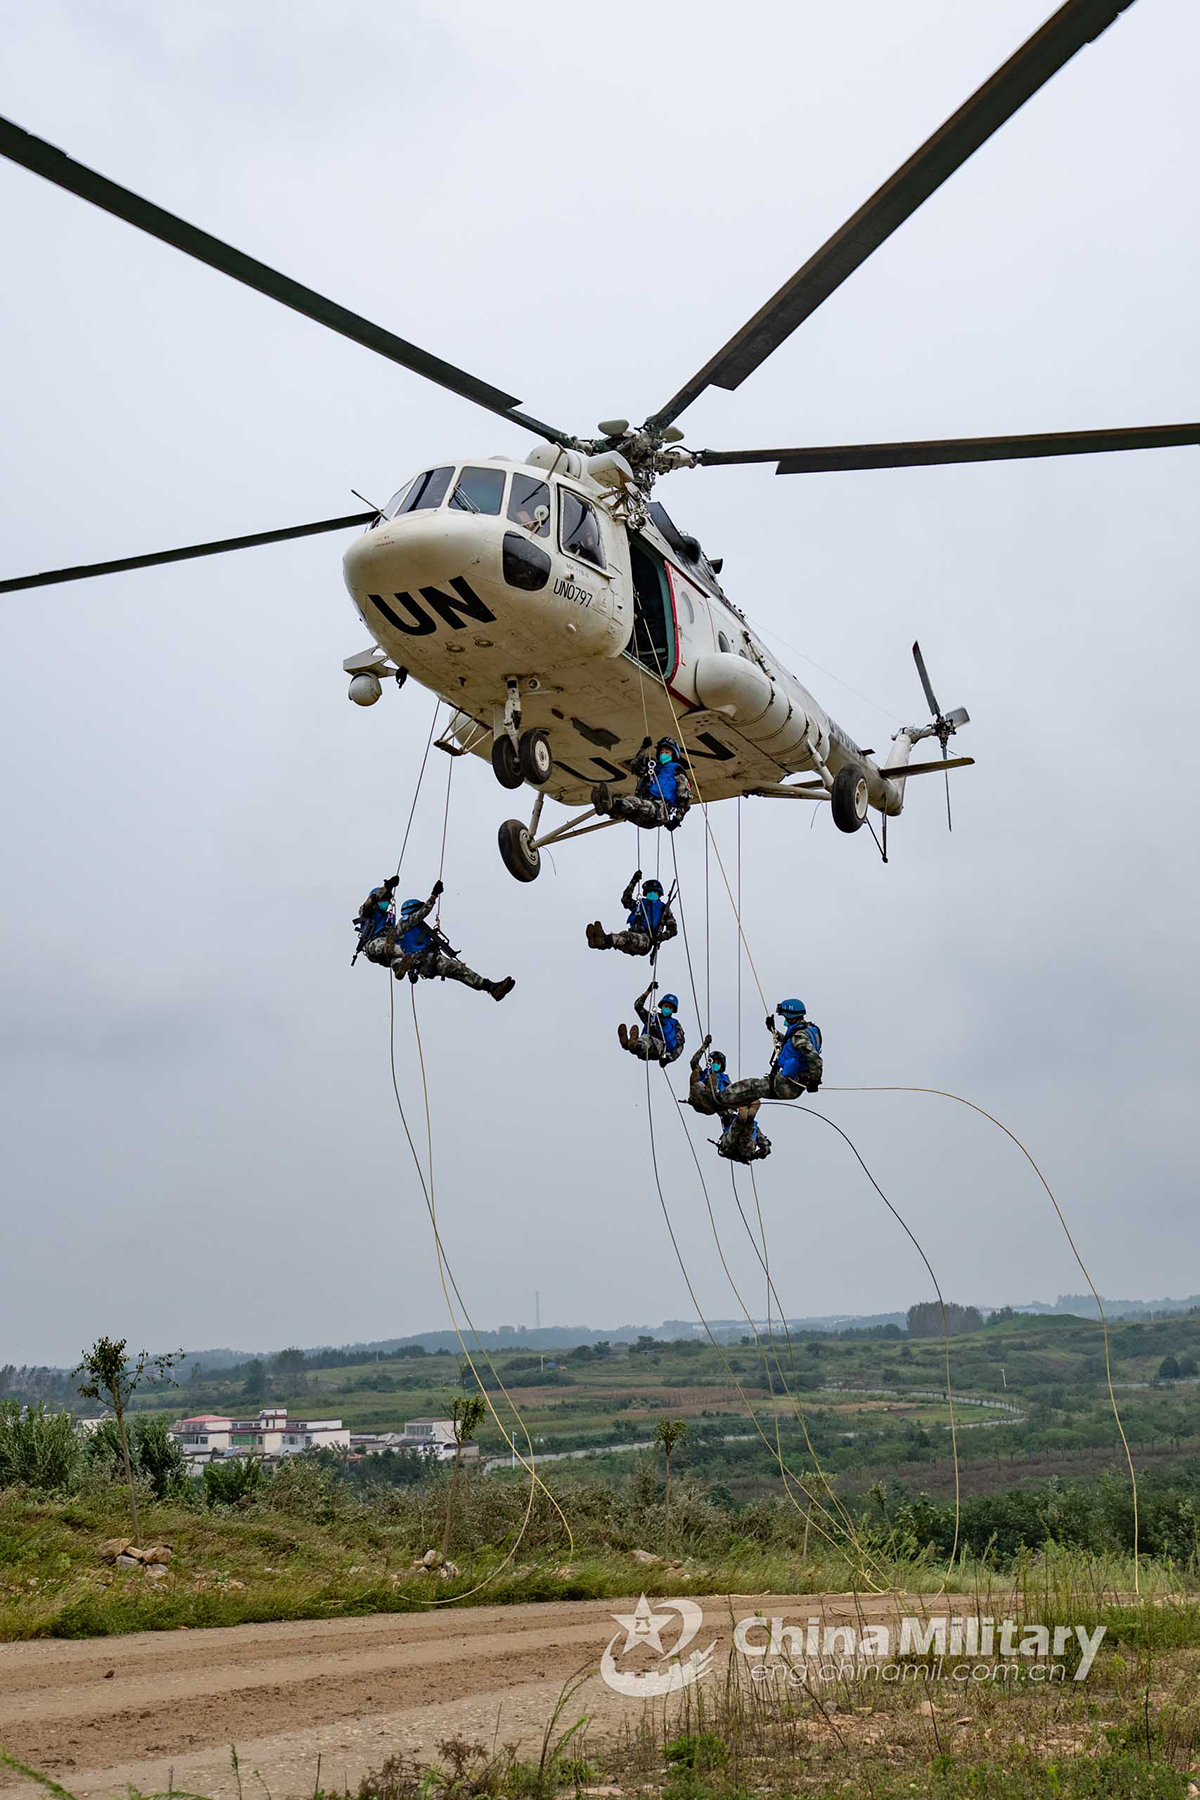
<point>206,1436</point>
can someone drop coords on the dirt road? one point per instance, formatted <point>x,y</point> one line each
<point>162,1707</point>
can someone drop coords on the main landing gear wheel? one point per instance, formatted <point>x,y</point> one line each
<point>533,754</point>
<point>848,801</point>
<point>506,761</point>
<point>518,852</point>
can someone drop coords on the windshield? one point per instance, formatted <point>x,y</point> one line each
<point>424,492</point>
<point>479,491</point>
<point>580,529</point>
<point>528,493</point>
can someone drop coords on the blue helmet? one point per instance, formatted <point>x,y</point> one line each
<point>411,906</point>
<point>791,1009</point>
<point>717,1060</point>
<point>668,743</point>
<point>669,1000</point>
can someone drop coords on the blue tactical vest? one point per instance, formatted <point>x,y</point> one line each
<point>376,915</point>
<point>792,1062</point>
<point>416,939</point>
<point>662,783</point>
<point>647,914</point>
<point>667,1029</point>
<point>718,1079</point>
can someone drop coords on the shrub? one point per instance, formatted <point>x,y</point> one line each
<point>38,1448</point>
<point>232,1482</point>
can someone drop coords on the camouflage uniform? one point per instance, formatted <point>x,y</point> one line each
<point>773,1085</point>
<point>633,940</point>
<point>647,808</point>
<point>434,962</point>
<point>742,1141</point>
<point>704,1096</point>
<point>651,1044</point>
<point>377,916</point>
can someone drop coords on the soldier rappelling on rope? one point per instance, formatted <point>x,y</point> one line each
<point>708,1091</point>
<point>663,793</point>
<point>660,1038</point>
<point>796,1066</point>
<point>650,920</point>
<point>410,946</point>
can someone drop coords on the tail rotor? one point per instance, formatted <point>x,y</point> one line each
<point>943,725</point>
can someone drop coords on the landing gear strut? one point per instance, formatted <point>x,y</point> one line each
<point>518,755</point>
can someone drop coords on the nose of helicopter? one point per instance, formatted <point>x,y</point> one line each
<point>407,553</point>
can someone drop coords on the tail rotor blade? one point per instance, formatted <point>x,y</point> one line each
<point>949,820</point>
<point>960,716</point>
<point>923,672</point>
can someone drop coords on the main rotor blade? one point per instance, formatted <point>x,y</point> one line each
<point>1065,32</point>
<point>823,458</point>
<point>923,672</point>
<point>43,159</point>
<point>83,571</point>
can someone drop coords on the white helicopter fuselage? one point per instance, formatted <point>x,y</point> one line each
<point>556,575</point>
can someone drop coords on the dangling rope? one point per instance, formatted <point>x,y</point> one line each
<point>762,1229</point>
<point>448,1282</point>
<point>720,1348</point>
<point>792,1106</point>
<point>946,1094</point>
<point>784,1469</point>
<point>445,1271</point>
<point>797,1408</point>
<point>420,778</point>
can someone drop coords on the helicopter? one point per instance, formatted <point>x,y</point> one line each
<point>553,603</point>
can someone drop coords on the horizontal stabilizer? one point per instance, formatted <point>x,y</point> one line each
<point>929,768</point>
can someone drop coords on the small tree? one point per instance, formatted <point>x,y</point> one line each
<point>466,1412</point>
<point>1168,1369</point>
<point>668,1435</point>
<point>112,1380</point>
<point>1187,1364</point>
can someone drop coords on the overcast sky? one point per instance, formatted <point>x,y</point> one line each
<point>200,1140</point>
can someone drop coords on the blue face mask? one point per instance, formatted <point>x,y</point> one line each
<point>667,1012</point>
<point>664,756</point>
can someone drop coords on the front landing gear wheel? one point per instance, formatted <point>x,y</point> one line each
<point>506,762</point>
<point>533,754</point>
<point>848,801</point>
<point>518,852</point>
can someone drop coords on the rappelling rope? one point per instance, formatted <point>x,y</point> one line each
<point>847,1521</point>
<point>712,1336</point>
<point>916,1243</point>
<point>762,1229</point>
<point>797,1408</point>
<point>417,790</point>
<point>947,1094</point>
<point>445,1271</point>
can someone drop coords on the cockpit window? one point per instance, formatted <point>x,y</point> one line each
<point>579,530</point>
<point>393,505</point>
<point>479,491</point>
<point>426,492</point>
<point>528,493</point>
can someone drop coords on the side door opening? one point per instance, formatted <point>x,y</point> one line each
<point>653,643</point>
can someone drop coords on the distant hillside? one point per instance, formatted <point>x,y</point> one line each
<point>1083,1306</point>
